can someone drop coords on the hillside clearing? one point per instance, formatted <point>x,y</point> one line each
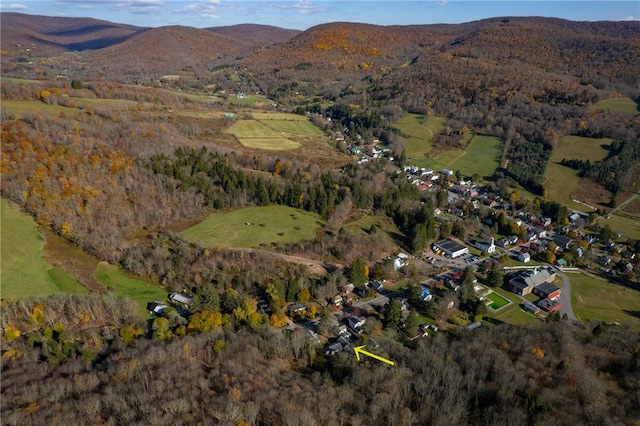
<point>254,226</point>
<point>23,271</point>
<point>619,104</point>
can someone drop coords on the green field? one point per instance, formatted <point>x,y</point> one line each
<point>253,226</point>
<point>618,104</point>
<point>594,297</point>
<point>298,127</point>
<point>250,100</point>
<point>137,290</point>
<point>561,181</point>
<point>258,114</point>
<point>625,226</point>
<point>23,271</point>
<point>482,156</point>
<point>38,107</point>
<point>418,133</point>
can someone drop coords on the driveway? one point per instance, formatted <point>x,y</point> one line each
<point>565,297</point>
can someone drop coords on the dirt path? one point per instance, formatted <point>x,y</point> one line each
<point>316,267</point>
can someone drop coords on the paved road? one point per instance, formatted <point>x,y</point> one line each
<point>565,297</point>
<point>379,300</point>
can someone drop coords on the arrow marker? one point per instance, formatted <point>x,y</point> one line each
<point>359,350</point>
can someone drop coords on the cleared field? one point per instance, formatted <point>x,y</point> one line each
<point>253,226</point>
<point>255,134</point>
<point>594,297</point>
<point>23,271</point>
<point>37,107</point>
<point>270,144</point>
<point>250,100</point>
<point>137,290</point>
<point>561,181</point>
<point>625,226</point>
<point>619,104</point>
<point>418,133</point>
<point>482,156</point>
<point>274,115</point>
<point>298,127</point>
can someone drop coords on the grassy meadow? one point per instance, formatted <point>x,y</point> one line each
<point>418,133</point>
<point>137,290</point>
<point>593,297</point>
<point>619,104</point>
<point>561,181</point>
<point>23,271</point>
<point>627,227</point>
<point>253,226</point>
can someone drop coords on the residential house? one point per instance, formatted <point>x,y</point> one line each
<point>355,324</point>
<point>333,349</point>
<point>604,260</point>
<point>562,242</point>
<point>296,308</point>
<point>524,257</point>
<point>182,299</point>
<point>426,295</point>
<point>156,307</point>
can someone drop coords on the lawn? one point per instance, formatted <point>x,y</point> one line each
<point>512,314</point>
<point>561,181</point>
<point>618,104</point>
<point>137,290</point>
<point>253,226</point>
<point>594,297</point>
<point>23,271</point>
<point>497,301</point>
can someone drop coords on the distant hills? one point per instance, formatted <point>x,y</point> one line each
<point>594,52</point>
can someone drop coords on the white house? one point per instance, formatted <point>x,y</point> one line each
<point>524,257</point>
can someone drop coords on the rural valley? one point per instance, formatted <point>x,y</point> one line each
<point>352,224</point>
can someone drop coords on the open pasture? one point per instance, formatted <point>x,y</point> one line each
<point>619,104</point>
<point>296,127</point>
<point>418,133</point>
<point>593,297</point>
<point>255,134</point>
<point>253,226</point>
<point>137,290</point>
<point>625,226</point>
<point>23,271</point>
<point>561,181</point>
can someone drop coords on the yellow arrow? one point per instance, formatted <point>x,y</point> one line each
<point>359,350</point>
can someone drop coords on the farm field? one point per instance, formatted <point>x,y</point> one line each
<point>254,226</point>
<point>258,114</point>
<point>561,181</point>
<point>418,134</point>
<point>38,107</point>
<point>137,290</point>
<point>255,134</point>
<point>251,100</point>
<point>482,156</point>
<point>618,104</point>
<point>23,271</point>
<point>291,126</point>
<point>594,297</point>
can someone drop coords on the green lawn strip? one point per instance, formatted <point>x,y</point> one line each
<point>249,100</point>
<point>298,127</point>
<point>253,226</point>
<point>449,157</point>
<point>23,271</point>
<point>618,104</point>
<point>271,144</point>
<point>137,290</point>
<point>594,297</point>
<point>627,227</point>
